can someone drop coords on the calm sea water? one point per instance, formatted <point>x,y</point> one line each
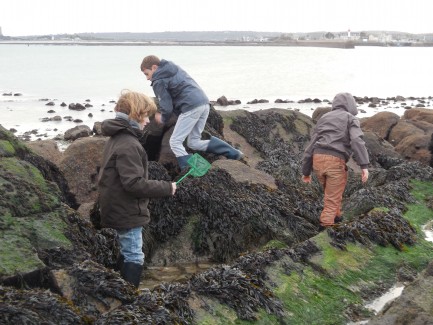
<point>73,74</point>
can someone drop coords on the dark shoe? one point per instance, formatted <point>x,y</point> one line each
<point>131,272</point>
<point>220,147</point>
<point>119,263</point>
<point>338,219</point>
<point>321,228</point>
<point>183,162</point>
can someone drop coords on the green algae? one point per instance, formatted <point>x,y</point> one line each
<point>24,190</point>
<point>22,238</point>
<point>17,255</point>
<point>24,170</point>
<point>6,149</point>
<point>273,244</point>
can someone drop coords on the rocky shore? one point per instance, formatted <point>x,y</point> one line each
<point>52,118</point>
<point>253,222</point>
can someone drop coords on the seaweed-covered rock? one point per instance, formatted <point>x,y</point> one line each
<point>222,218</point>
<point>234,209</point>
<point>92,288</point>
<point>166,304</point>
<point>36,307</point>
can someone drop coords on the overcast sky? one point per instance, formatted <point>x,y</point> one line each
<point>40,17</point>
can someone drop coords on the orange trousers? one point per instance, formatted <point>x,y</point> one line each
<point>332,174</point>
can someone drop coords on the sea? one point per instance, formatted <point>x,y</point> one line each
<point>33,75</point>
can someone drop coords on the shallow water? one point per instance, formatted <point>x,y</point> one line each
<point>74,74</point>
<point>396,290</point>
<point>428,231</point>
<point>155,275</point>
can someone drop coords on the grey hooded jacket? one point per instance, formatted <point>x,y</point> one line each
<point>337,133</point>
<point>176,91</point>
<point>124,187</point>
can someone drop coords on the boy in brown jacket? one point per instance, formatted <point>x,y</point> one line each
<point>336,135</point>
<point>123,182</point>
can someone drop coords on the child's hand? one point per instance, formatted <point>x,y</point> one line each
<point>158,118</point>
<point>173,188</point>
<point>306,179</point>
<point>364,175</point>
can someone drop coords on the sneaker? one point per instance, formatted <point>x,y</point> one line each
<point>338,219</point>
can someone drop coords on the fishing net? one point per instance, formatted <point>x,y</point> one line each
<point>198,167</point>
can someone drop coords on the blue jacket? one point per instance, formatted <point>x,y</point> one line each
<point>176,91</point>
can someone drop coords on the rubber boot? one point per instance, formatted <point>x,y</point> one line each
<point>131,272</point>
<point>220,147</point>
<point>119,262</point>
<point>183,162</point>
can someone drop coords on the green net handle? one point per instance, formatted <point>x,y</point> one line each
<point>189,172</point>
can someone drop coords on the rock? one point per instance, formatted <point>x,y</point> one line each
<point>413,306</point>
<point>93,288</point>
<point>236,208</point>
<point>258,101</point>
<point>80,164</point>
<point>415,148</point>
<point>97,128</point>
<point>48,149</point>
<point>77,132</point>
<point>319,112</point>
<point>76,107</point>
<point>403,129</point>
<point>244,174</point>
<point>419,114</point>
<point>381,123</point>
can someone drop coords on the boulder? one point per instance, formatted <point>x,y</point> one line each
<point>319,112</point>
<point>79,131</point>
<point>403,129</point>
<point>80,165</point>
<point>382,123</point>
<point>415,148</point>
<point>420,114</point>
<point>47,149</point>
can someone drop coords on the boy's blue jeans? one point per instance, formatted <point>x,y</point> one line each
<point>131,243</point>
<point>189,126</point>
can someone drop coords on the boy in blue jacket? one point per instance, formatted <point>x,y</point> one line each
<point>179,94</point>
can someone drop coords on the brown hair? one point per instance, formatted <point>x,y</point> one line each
<point>149,61</point>
<point>137,106</point>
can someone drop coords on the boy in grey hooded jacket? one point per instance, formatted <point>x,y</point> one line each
<point>336,135</point>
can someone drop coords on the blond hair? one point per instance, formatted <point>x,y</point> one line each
<point>136,105</point>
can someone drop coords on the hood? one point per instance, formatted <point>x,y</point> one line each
<point>345,101</point>
<point>114,126</point>
<point>165,69</point>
